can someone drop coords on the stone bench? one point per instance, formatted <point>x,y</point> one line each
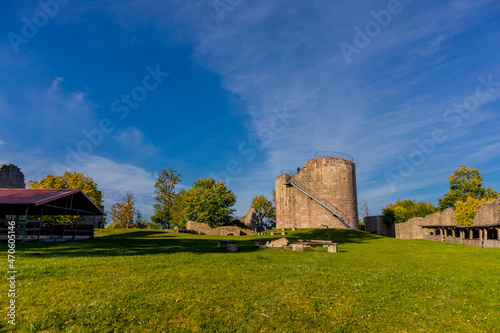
<point>332,247</point>
<point>325,243</point>
<point>299,247</point>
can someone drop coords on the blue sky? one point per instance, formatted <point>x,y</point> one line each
<point>241,89</point>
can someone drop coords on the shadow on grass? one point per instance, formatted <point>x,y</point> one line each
<point>131,244</point>
<point>149,242</point>
<point>341,236</point>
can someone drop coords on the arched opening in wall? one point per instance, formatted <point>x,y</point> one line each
<point>229,234</point>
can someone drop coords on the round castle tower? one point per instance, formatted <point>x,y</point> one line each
<point>322,194</point>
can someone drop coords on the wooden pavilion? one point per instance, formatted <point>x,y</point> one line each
<point>21,205</point>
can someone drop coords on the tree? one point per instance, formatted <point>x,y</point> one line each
<point>209,201</point>
<point>464,183</point>
<point>164,190</point>
<point>466,210</point>
<point>140,222</point>
<point>123,213</point>
<point>363,210</point>
<point>179,209</point>
<point>403,210</point>
<point>70,180</point>
<point>265,211</point>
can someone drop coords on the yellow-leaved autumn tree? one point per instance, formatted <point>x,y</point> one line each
<point>466,210</point>
<point>70,180</point>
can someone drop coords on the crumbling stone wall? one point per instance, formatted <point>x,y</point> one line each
<point>204,229</point>
<point>412,229</point>
<point>11,176</point>
<point>251,220</point>
<point>333,179</point>
<point>376,225</point>
<point>486,214</point>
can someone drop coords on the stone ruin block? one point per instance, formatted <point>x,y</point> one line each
<point>333,248</point>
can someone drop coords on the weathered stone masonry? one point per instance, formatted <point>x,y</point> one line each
<point>11,176</point>
<point>333,180</point>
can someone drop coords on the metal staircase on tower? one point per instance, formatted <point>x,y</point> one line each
<point>324,203</point>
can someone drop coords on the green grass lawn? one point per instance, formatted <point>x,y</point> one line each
<point>154,281</point>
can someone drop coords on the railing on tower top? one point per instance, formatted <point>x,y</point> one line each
<point>288,172</point>
<point>334,154</point>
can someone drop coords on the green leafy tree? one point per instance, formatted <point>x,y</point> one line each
<point>178,210</point>
<point>165,195</point>
<point>491,194</point>
<point>465,183</point>
<point>403,210</point>
<point>265,211</point>
<point>70,180</point>
<point>141,222</point>
<point>466,210</point>
<point>123,213</point>
<point>209,201</point>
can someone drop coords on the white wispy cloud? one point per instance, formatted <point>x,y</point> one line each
<point>134,139</point>
<point>116,179</point>
<point>55,85</point>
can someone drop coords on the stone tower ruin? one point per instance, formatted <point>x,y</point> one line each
<point>322,194</point>
<point>11,176</point>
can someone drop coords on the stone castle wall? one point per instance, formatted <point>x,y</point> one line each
<point>412,229</point>
<point>11,176</point>
<point>250,220</point>
<point>332,179</point>
<point>376,225</point>
<point>204,229</point>
<point>488,214</point>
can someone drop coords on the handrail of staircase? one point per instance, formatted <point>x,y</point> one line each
<point>324,202</point>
